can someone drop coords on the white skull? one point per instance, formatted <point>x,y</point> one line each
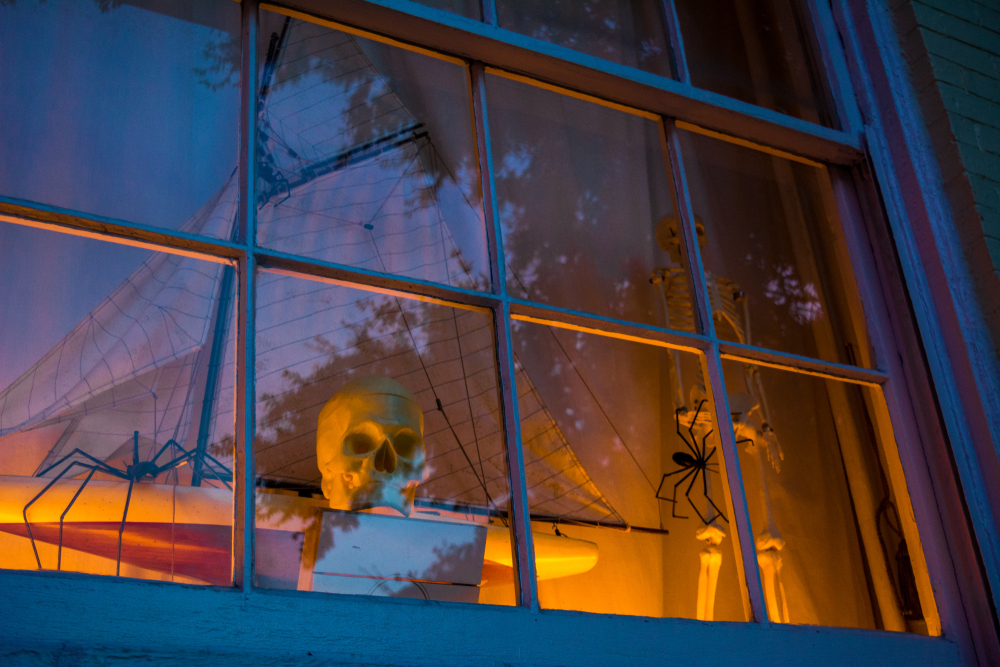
<point>370,446</point>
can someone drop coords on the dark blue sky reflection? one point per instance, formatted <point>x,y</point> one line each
<point>105,113</point>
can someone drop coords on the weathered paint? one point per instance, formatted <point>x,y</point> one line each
<point>92,620</point>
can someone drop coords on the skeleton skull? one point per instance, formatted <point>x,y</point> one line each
<point>370,446</point>
<point>669,239</point>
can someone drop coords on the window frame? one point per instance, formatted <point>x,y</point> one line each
<point>862,176</point>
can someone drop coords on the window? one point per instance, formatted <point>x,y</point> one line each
<point>452,324</point>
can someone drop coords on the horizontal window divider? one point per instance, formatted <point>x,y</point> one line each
<point>690,127</point>
<point>538,83</point>
<point>76,223</point>
<point>795,363</point>
<point>318,20</point>
<point>421,28</point>
<point>372,281</point>
<point>563,318</point>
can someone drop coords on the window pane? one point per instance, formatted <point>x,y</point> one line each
<point>779,274</point>
<point>833,539</point>
<point>619,435</point>
<point>123,112</point>
<point>116,409</point>
<point>366,156</point>
<point>379,449</point>
<point>586,206</point>
<point>628,32</point>
<point>758,51</point>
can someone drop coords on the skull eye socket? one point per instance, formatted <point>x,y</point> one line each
<point>406,443</point>
<point>359,444</point>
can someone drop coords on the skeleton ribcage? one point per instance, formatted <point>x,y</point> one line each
<point>724,296</point>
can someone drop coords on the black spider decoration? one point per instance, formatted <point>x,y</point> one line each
<point>136,472</point>
<point>698,464</point>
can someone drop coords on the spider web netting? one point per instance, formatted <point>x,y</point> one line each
<point>138,362</point>
<point>349,175</point>
<point>438,353</point>
<point>367,195</point>
<point>353,176</point>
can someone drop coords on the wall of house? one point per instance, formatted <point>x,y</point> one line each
<point>953,50</point>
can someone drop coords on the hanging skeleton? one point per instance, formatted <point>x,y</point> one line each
<point>729,306</point>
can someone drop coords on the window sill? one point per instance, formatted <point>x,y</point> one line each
<point>54,616</point>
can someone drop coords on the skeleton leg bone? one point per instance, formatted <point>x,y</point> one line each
<point>711,556</point>
<point>769,560</point>
<point>769,545</point>
<point>708,578</point>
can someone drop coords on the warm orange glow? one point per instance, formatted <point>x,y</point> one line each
<point>174,530</point>
<point>608,334</point>
<point>554,556</point>
<point>135,243</point>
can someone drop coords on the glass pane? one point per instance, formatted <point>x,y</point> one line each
<point>629,32</point>
<point>123,112</point>
<point>380,458</point>
<point>619,436</point>
<point>366,156</point>
<point>116,409</point>
<point>779,274</point>
<point>833,539</point>
<point>468,8</point>
<point>758,51</point>
<point>586,207</point>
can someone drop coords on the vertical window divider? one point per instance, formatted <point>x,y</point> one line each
<point>743,547</point>
<point>243,478</point>
<point>670,143</point>
<point>519,514</point>
<point>487,182</point>
<point>676,41</point>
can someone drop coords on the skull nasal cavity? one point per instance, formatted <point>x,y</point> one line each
<point>385,458</point>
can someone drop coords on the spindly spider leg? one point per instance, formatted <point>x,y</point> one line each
<point>693,443</point>
<point>703,460</point>
<point>718,511</point>
<point>704,444</point>
<point>673,500</point>
<point>62,517</point>
<point>187,455</point>
<point>698,462</point>
<point>215,474</point>
<point>714,506</point>
<point>137,471</point>
<point>103,467</point>
<point>169,443</point>
<point>170,465</point>
<point>100,467</point>
<point>121,530</point>
<point>706,466</point>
